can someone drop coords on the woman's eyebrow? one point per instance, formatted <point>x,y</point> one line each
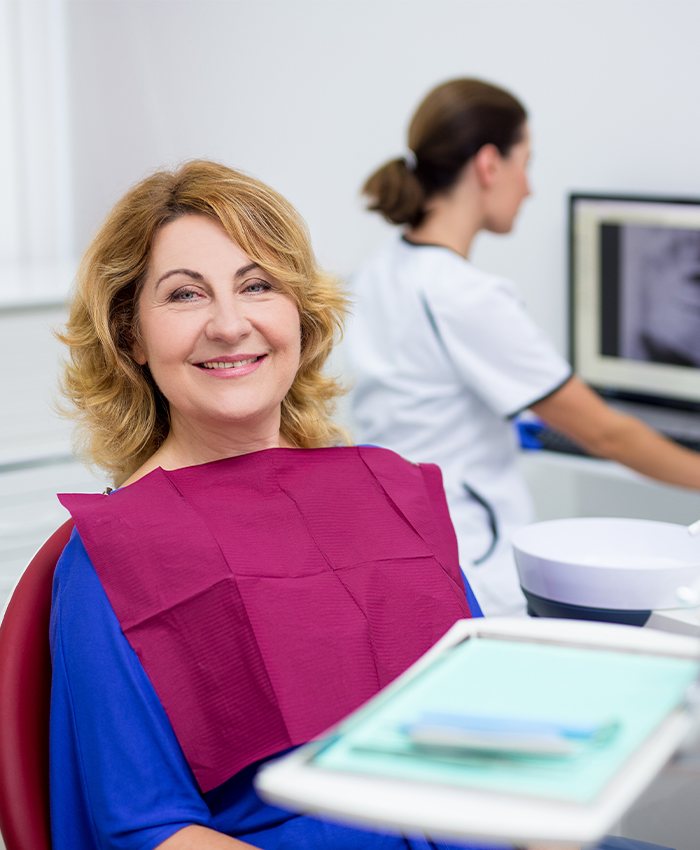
<point>245,269</point>
<point>188,272</point>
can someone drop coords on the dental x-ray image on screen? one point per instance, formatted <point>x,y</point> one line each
<point>659,279</point>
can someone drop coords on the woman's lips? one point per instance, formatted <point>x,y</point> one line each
<point>232,367</point>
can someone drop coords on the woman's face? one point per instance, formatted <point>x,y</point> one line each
<point>510,186</point>
<point>221,338</point>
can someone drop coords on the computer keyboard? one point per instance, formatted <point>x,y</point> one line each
<point>535,435</point>
<point>688,442</point>
<point>555,441</point>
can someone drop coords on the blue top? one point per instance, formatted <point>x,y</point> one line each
<point>118,776</point>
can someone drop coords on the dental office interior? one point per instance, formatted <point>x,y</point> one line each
<point>310,96</point>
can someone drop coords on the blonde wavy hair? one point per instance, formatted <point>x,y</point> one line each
<point>123,418</point>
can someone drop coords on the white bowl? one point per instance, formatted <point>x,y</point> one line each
<point>625,564</point>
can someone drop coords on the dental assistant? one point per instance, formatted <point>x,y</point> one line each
<point>443,356</point>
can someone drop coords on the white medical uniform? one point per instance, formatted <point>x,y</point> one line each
<point>442,356</point>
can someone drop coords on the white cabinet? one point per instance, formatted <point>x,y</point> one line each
<point>30,511</point>
<point>569,485</point>
<point>35,442</point>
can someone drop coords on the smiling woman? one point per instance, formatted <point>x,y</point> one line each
<point>251,581</point>
<point>189,236</point>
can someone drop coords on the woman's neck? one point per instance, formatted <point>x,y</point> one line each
<point>452,218</point>
<point>449,224</point>
<point>188,446</point>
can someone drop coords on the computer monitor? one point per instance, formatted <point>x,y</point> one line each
<point>634,305</point>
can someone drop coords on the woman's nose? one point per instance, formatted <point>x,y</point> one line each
<point>228,322</point>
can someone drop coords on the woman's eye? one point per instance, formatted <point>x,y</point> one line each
<point>255,286</point>
<point>184,294</point>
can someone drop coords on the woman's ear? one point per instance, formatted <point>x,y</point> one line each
<point>138,353</point>
<point>486,163</point>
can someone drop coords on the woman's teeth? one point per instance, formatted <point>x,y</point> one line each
<point>228,364</point>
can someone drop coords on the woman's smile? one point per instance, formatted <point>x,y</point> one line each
<point>232,367</point>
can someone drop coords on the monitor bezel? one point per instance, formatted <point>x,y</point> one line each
<point>651,398</point>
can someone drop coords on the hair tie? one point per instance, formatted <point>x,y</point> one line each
<point>410,159</point>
